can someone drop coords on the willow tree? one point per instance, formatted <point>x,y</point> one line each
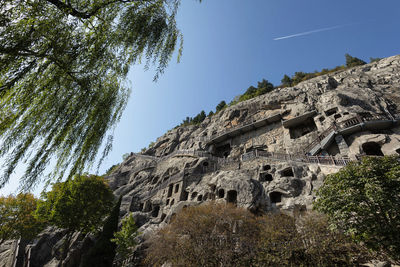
<point>63,68</point>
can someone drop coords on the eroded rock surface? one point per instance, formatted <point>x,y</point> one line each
<point>268,153</point>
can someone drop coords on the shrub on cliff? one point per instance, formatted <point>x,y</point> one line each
<point>364,200</point>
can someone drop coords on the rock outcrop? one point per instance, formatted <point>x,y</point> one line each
<point>268,153</point>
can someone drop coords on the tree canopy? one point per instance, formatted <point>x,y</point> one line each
<point>17,218</point>
<point>353,61</point>
<point>63,67</point>
<point>364,199</point>
<point>79,204</point>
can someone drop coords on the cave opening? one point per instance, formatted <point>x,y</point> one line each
<point>170,187</point>
<point>372,149</point>
<point>288,172</point>
<point>232,196</point>
<point>275,197</point>
<point>265,177</point>
<point>221,193</point>
<point>155,211</point>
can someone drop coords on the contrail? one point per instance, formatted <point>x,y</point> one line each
<point>310,32</point>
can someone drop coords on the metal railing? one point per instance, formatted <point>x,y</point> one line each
<point>324,160</point>
<point>346,124</point>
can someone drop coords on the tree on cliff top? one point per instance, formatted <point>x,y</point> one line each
<point>353,61</point>
<point>63,66</point>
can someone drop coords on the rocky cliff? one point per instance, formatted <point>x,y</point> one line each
<point>268,153</point>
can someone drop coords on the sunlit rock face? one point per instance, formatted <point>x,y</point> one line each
<point>266,154</point>
<point>269,153</point>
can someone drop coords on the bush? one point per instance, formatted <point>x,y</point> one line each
<point>353,61</point>
<point>125,238</point>
<point>206,235</point>
<point>222,235</point>
<point>364,200</point>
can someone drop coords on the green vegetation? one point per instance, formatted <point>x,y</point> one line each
<point>263,87</point>
<point>223,235</point>
<point>353,61</point>
<point>374,59</point>
<point>63,66</point>
<point>17,218</point>
<point>199,118</point>
<point>111,169</point>
<point>79,204</point>
<point>125,238</point>
<point>103,252</point>
<point>300,76</point>
<point>363,199</point>
<point>220,106</point>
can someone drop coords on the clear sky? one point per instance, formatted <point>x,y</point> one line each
<point>232,44</point>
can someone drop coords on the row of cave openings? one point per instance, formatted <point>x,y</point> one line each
<point>266,176</point>
<point>231,195</point>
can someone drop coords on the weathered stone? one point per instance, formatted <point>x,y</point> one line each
<point>253,154</point>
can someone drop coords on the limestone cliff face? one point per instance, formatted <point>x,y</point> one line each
<point>271,152</point>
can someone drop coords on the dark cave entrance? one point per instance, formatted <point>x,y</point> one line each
<point>372,149</point>
<point>275,197</point>
<point>232,196</point>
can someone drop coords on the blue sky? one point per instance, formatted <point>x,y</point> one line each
<point>229,45</point>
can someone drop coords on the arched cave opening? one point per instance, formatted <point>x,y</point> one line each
<point>398,151</point>
<point>172,202</point>
<point>205,163</point>
<point>200,198</point>
<point>232,196</point>
<point>275,197</point>
<point>194,194</point>
<point>372,149</point>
